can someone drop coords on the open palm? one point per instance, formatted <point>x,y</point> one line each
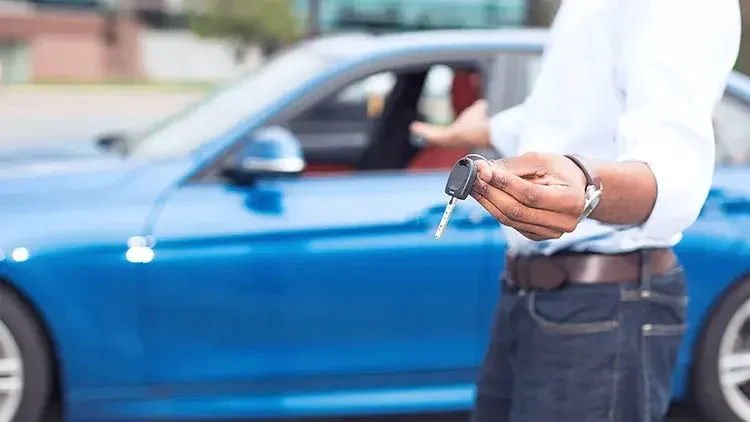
<point>470,129</point>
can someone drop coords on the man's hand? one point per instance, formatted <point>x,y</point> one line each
<point>470,129</point>
<point>539,195</point>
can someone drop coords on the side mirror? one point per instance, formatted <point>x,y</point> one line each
<point>111,141</point>
<point>272,151</point>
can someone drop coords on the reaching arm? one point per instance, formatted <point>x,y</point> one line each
<point>676,72</point>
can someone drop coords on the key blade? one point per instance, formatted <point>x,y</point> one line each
<point>446,216</point>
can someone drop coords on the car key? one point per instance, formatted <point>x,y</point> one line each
<point>460,182</point>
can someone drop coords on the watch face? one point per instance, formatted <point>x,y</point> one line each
<point>593,196</point>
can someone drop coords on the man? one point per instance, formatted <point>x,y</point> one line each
<point>592,312</point>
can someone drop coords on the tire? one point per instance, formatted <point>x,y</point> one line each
<point>713,402</point>
<point>19,321</point>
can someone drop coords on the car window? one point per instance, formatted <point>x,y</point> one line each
<point>341,125</point>
<point>511,77</point>
<point>379,84</point>
<point>434,105</point>
<point>339,128</point>
<point>508,81</point>
<point>732,131</point>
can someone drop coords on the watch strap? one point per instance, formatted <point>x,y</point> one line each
<point>592,178</point>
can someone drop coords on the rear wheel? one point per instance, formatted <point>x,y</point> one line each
<point>721,384</point>
<point>25,368</point>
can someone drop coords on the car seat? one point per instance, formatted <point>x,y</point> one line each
<point>465,90</point>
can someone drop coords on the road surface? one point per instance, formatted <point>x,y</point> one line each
<point>52,116</point>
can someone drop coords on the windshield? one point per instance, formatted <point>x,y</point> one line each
<point>228,106</point>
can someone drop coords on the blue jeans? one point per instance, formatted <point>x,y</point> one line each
<point>584,353</point>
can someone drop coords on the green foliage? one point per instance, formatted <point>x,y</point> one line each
<point>262,21</point>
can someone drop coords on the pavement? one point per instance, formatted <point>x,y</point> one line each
<point>66,115</point>
<point>59,115</point>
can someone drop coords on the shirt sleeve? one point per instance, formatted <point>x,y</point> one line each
<point>676,64</point>
<point>505,129</point>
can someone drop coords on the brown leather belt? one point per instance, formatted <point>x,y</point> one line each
<point>550,272</point>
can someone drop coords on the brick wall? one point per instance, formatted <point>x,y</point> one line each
<point>69,45</point>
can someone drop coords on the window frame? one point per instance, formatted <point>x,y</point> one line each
<point>210,171</point>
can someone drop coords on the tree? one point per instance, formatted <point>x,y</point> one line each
<point>267,23</point>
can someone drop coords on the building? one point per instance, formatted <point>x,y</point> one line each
<point>51,40</point>
<point>105,40</point>
<point>399,15</point>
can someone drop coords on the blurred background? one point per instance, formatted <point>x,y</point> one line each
<point>104,56</point>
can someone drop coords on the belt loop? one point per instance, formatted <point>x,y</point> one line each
<point>510,270</point>
<point>645,278</point>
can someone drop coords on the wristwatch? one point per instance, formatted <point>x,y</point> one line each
<point>593,193</point>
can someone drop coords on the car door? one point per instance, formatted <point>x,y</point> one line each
<point>317,277</point>
<point>316,283</point>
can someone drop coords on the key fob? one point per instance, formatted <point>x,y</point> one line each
<point>461,178</point>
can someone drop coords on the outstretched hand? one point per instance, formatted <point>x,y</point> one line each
<point>539,195</point>
<point>470,129</point>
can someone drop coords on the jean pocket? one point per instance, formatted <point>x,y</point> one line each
<point>660,347</point>
<point>663,326</point>
<point>668,289</point>
<point>664,305</point>
<point>576,309</point>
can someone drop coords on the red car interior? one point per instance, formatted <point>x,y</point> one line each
<point>466,88</point>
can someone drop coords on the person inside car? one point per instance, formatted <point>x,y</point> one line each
<point>466,89</point>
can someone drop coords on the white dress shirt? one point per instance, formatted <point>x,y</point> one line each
<point>629,80</point>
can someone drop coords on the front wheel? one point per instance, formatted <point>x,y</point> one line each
<point>25,368</point>
<point>721,381</point>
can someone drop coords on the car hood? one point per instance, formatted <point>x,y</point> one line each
<point>35,177</point>
<point>58,167</point>
<point>59,151</point>
<point>731,183</point>
<point>732,179</point>
<point>80,201</point>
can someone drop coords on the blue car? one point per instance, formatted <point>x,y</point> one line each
<point>242,259</point>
